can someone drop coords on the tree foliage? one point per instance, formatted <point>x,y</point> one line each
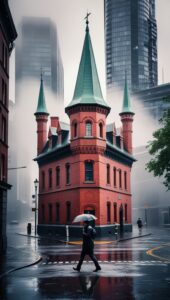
<point>159,148</point>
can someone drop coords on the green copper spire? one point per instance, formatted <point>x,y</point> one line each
<point>87,89</point>
<point>126,108</point>
<point>41,107</point>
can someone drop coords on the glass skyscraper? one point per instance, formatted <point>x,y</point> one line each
<point>130,43</point>
<point>39,49</point>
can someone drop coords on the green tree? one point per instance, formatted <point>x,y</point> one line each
<point>159,148</point>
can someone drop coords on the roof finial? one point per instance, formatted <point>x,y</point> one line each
<point>87,20</point>
<point>41,74</point>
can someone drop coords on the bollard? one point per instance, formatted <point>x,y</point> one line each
<point>116,232</point>
<point>29,228</point>
<point>67,231</point>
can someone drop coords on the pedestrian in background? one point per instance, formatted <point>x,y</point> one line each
<point>140,224</point>
<point>88,247</point>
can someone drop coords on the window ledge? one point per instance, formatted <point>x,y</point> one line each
<point>68,184</point>
<point>89,181</point>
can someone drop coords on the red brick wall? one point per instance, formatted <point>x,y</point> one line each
<point>85,195</point>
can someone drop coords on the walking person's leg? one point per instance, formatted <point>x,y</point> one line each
<point>82,256</point>
<point>94,259</point>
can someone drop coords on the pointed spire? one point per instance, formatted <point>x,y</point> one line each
<point>41,107</point>
<point>126,108</point>
<point>87,89</point>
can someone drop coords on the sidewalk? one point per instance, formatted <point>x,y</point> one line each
<point>23,251</point>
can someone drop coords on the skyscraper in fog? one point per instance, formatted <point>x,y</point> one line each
<point>39,49</point>
<point>130,43</point>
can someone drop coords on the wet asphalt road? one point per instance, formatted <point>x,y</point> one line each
<point>128,272</point>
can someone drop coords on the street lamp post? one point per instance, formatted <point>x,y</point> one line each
<point>36,188</point>
<point>146,217</point>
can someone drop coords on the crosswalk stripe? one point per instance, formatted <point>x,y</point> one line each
<point>106,261</point>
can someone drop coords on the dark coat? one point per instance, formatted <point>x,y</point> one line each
<point>88,243</point>
<point>139,222</point>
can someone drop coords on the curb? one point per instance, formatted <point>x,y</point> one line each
<point>23,267</point>
<point>77,242</point>
<point>28,235</point>
<point>134,237</point>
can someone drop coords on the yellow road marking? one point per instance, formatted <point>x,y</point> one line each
<point>150,252</point>
<point>96,242</point>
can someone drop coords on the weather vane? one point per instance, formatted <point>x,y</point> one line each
<point>87,17</point>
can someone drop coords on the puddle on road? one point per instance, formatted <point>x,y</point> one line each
<point>83,287</point>
<point>114,256</point>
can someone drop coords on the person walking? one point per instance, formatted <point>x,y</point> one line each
<point>88,247</point>
<point>140,224</point>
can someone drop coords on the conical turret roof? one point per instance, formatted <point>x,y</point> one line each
<point>126,108</point>
<point>87,89</point>
<point>41,107</point>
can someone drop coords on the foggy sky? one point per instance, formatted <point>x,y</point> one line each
<point>69,18</point>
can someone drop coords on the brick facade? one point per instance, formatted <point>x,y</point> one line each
<point>84,167</point>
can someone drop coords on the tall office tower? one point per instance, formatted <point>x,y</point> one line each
<point>131,43</point>
<point>39,49</point>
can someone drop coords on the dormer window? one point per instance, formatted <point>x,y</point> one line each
<point>88,128</point>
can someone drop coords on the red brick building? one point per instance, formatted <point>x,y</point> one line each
<point>7,36</point>
<point>84,167</point>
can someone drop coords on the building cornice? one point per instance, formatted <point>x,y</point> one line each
<point>87,108</point>
<point>85,187</point>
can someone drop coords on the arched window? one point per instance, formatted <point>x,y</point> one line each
<point>43,179</point>
<point>68,212</point>
<point>67,173</point>
<point>75,130</point>
<point>89,176</point>
<point>43,213</point>
<point>120,179</point>
<point>126,215</point>
<point>3,130</point>
<point>50,178</point>
<point>108,174</point>
<point>2,167</point>
<point>57,212</point>
<point>114,176</point>
<point>88,128</point>
<point>50,212</point>
<point>115,213</point>
<point>125,180</point>
<point>57,176</point>
<point>108,212</point>
<point>101,130</point>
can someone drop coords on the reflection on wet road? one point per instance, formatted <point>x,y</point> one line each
<point>127,273</point>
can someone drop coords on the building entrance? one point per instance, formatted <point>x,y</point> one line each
<point>91,212</point>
